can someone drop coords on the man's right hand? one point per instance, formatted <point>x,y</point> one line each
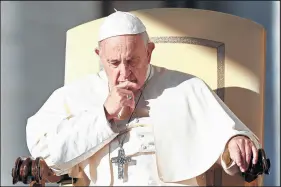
<point>120,96</point>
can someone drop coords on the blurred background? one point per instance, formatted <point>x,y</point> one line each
<point>33,50</point>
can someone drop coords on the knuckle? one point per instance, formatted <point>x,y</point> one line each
<point>240,140</point>
<point>250,149</point>
<point>231,143</point>
<point>239,163</point>
<point>249,153</point>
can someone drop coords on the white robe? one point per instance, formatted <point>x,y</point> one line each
<point>191,127</point>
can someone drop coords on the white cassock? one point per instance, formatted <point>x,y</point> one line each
<point>179,130</point>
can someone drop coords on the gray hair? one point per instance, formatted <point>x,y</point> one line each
<point>145,38</point>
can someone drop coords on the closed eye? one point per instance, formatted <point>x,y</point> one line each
<point>114,62</point>
<point>133,62</point>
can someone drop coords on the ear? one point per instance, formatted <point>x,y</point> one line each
<point>150,48</point>
<point>97,51</point>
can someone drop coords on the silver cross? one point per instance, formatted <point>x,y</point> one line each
<point>121,160</point>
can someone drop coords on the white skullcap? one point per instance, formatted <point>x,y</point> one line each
<point>120,23</point>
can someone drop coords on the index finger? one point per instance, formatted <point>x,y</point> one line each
<point>128,85</point>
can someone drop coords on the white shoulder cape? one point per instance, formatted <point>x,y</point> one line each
<point>191,124</point>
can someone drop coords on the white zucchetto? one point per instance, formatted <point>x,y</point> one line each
<point>120,23</point>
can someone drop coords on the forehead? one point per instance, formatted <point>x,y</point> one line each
<point>121,43</point>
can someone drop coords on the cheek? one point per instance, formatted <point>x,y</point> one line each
<point>140,73</point>
<point>112,74</point>
<point>115,74</point>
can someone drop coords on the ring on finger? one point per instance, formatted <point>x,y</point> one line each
<point>129,97</point>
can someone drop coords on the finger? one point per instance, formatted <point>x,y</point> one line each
<point>241,145</point>
<point>235,155</point>
<point>128,102</point>
<point>255,154</point>
<point>125,112</point>
<point>128,85</point>
<point>124,91</point>
<point>248,152</point>
<point>126,94</point>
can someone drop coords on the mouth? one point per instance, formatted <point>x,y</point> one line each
<point>134,81</point>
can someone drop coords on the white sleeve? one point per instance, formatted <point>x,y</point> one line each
<point>63,140</point>
<point>239,128</point>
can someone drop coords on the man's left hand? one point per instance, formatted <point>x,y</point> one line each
<point>241,150</point>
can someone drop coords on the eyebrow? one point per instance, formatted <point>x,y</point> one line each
<point>133,58</point>
<point>112,60</point>
<point>128,59</point>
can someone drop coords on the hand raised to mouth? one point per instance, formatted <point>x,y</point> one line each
<point>120,101</point>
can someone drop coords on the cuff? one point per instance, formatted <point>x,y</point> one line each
<point>228,164</point>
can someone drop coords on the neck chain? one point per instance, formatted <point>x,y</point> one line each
<point>121,159</point>
<point>121,142</point>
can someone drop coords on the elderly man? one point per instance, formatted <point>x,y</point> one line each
<point>137,124</point>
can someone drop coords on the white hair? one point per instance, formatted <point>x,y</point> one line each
<point>145,38</point>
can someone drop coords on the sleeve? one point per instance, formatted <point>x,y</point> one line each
<point>62,139</point>
<point>228,164</point>
<point>239,128</point>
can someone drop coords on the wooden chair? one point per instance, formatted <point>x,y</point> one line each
<point>226,51</point>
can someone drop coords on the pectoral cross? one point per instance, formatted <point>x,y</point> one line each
<point>121,160</point>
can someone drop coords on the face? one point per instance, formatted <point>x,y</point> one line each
<point>125,58</point>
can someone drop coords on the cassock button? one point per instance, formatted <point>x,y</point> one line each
<point>144,147</point>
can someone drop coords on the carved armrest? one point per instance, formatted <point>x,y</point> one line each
<point>36,172</point>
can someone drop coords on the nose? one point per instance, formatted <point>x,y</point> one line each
<point>124,70</point>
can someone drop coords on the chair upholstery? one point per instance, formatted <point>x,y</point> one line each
<point>226,51</point>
